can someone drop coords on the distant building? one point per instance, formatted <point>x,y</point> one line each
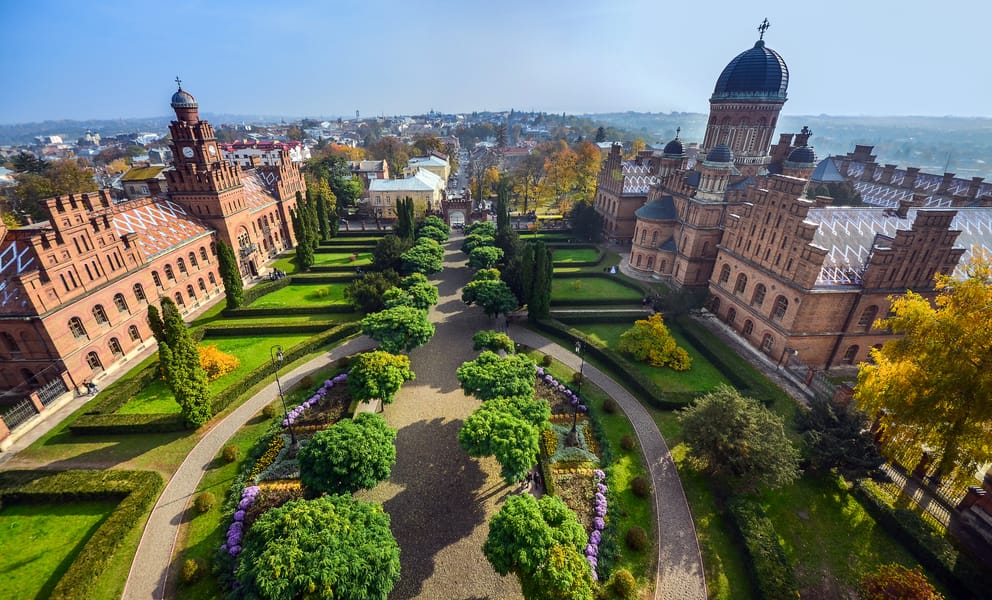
<point>426,189</point>
<point>263,153</point>
<point>368,170</point>
<point>142,181</point>
<point>435,163</point>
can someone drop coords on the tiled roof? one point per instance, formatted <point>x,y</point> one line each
<point>427,161</point>
<point>848,234</point>
<point>637,179</point>
<point>826,172</point>
<point>258,188</point>
<point>160,225</point>
<point>889,194</point>
<point>660,209</point>
<point>143,173</point>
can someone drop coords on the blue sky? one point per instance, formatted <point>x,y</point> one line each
<point>109,59</point>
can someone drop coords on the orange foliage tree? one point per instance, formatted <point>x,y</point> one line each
<point>216,363</point>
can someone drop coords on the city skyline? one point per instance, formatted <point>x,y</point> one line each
<point>308,59</point>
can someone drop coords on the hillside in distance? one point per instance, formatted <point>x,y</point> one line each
<point>961,145</point>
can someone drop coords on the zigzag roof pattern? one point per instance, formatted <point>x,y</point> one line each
<point>848,234</point>
<point>637,179</point>
<point>160,225</point>
<point>258,188</point>
<point>888,194</point>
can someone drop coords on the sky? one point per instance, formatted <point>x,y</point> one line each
<point>101,59</point>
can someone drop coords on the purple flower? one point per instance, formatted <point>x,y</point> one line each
<point>600,497</point>
<point>591,550</point>
<point>583,408</point>
<point>548,378</point>
<point>601,488</point>
<point>595,537</point>
<point>223,547</point>
<point>598,524</point>
<point>239,516</point>
<point>246,503</point>
<point>234,550</point>
<point>599,474</point>
<point>600,510</point>
<point>328,383</point>
<point>540,371</point>
<point>575,402</point>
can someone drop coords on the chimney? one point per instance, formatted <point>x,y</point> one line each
<point>887,172</point>
<point>903,209</point>
<point>909,181</point>
<point>945,183</point>
<point>822,201</point>
<point>976,182</point>
<point>869,173</point>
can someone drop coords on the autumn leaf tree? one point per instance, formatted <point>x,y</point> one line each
<point>650,341</point>
<point>932,387</point>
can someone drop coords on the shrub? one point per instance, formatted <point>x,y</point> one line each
<point>192,570</point>
<point>216,363</point>
<point>637,539</point>
<point>627,442</point>
<point>896,582</point>
<point>271,411</point>
<point>610,406</point>
<point>549,442</point>
<point>622,585</point>
<point>230,453</point>
<point>577,377</point>
<point>641,487</point>
<point>306,382</point>
<point>546,360</point>
<point>271,453</point>
<point>769,567</point>
<point>204,502</point>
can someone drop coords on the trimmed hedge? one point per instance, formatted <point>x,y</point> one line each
<point>317,278</point>
<point>341,249</point>
<point>767,564</point>
<point>114,423</point>
<point>350,268</point>
<point>608,302</point>
<point>135,490</point>
<point>251,313</point>
<point>263,288</point>
<point>619,280</point>
<point>625,318</point>
<point>216,331</point>
<point>934,551</point>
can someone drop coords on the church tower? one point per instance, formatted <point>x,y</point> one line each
<point>745,106</point>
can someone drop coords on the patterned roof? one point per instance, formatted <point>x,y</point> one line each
<point>258,188</point>
<point>889,194</point>
<point>848,234</point>
<point>160,225</point>
<point>758,72</point>
<point>637,179</point>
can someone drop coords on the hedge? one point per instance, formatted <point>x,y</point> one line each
<point>608,302</point>
<point>255,292</point>
<point>114,424</point>
<point>251,313</point>
<point>317,278</point>
<point>624,318</point>
<point>349,268</point>
<point>620,280</point>
<point>767,564</point>
<point>934,551</point>
<point>342,249</point>
<point>136,490</point>
<point>216,331</point>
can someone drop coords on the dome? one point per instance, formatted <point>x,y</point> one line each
<point>802,155</point>
<point>720,154</point>
<point>183,99</point>
<point>756,73</point>
<point>674,148</point>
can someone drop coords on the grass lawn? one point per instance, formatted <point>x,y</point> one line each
<point>702,377</point>
<point>38,542</point>
<point>567,255</point>
<point>302,295</point>
<point>342,258</point>
<point>292,319</point>
<point>565,290</point>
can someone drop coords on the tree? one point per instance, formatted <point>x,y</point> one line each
<point>491,376</point>
<point>366,292</point>
<point>494,296</point>
<point>636,147</point>
<point>896,582</point>
<point>305,228</point>
<point>388,253</point>
<point>425,256</point>
<point>528,176</point>
<point>351,455</point>
<point>155,324</point>
<point>561,171</point>
<point>484,257</point>
<point>437,223</point>
<point>650,341</point>
<point>183,373</point>
<point>588,159</point>
<point>492,340</point>
<point>475,240</point>
<point>433,233</point>
<point>234,289</point>
<point>600,135</point>
<point>509,429</point>
<point>56,178</point>
<point>933,387</point>
<point>538,541</point>
<point>378,374</point>
<point>426,144</point>
<point>485,228</point>
<point>738,439</point>
<point>422,294</point>
<point>507,240</point>
<point>215,362</point>
<point>398,329</point>
<point>839,438</point>
<point>587,224</point>
<point>332,167</point>
<point>392,150</point>
<point>537,273</point>
<point>404,214</point>
<point>332,546</point>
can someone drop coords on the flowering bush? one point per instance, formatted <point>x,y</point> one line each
<point>216,363</point>
<point>599,523</point>
<point>549,442</point>
<point>275,446</point>
<point>235,532</point>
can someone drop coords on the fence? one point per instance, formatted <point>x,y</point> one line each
<point>49,392</point>
<point>18,413</point>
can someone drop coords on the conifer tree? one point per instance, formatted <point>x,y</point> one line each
<point>183,373</point>
<point>233,287</point>
<point>303,228</point>
<point>539,296</point>
<point>322,223</point>
<point>155,324</point>
<point>404,214</point>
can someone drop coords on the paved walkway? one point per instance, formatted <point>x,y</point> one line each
<point>150,569</point>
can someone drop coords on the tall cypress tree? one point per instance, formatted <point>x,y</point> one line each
<point>404,214</point>
<point>183,374</point>
<point>155,324</point>
<point>539,302</point>
<point>322,223</point>
<point>305,238</point>
<point>234,289</point>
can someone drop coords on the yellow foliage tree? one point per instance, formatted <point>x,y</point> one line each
<point>216,363</point>
<point>932,388</point>
<point>650,341</point>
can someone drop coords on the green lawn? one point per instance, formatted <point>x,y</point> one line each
<point>568,255</point>
<point>38,542</point>
<point>342,258</point>
<point>291,319</point>
<point>302,295</point>
<point>575,288</point>
<point>702,377</point>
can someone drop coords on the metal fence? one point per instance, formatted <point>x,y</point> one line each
<point>49,392</point>
<point>19,413</point>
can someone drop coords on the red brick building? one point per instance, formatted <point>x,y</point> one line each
<point>74,289</point>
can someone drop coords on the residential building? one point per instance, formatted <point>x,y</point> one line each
<point>434,162</point>
<point>426,189</point>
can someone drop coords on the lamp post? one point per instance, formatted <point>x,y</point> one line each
<point>275,353</point>
<point>786,351</point>
<point>573,436</point>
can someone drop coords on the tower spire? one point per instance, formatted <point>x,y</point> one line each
<point>179,82</point>
<point>763,27</point>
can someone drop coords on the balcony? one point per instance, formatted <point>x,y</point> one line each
<point>245,251</point>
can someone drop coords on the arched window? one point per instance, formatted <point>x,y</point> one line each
<point>706,248</point>
<point>644,234</point>
<point>139,293</point>
<point>213,281</point>
<point>203,254</point>
<point>120,303</point>
<point>663,267</point>
<point>748,328</point>
<point>11,343</point>
<point>213,248</point>
<point>850,355</point>
<point>182,265</point>
<point>781,305</point>
<point>29,377</point>
<point>715,305</point>
<point>179,299</point>
<point>868,316</point>
<point>639,259</point>
<point>157,279</point>
<point>76,328</point>
<point>741,284</point>
<point>201,285</point>
<point>133,333</point>
<point>758,298</point>
<point>100,315</point>
<point>93,360</point>
<point>169,274</point>
<point>731,315</point>
<point>190,291</point>
<point>725,274</point>
<point>767,343</point>
<point>192,260</point>
<point>654,238</point>
<point>115,347</point>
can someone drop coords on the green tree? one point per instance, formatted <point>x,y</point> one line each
<point>494,296</point>
<point>367,290</point>
<point>587,224</point>
<point>839,438</point>
<point>422,293</point>
<point>437,223</point>
<point>650,341</point>
<point>739,440</point>
<point>304,227</point>
<point>484,257</point>
<point>56,178</point>
<point>485,228</point>
<point>388,253</point>
<point>932,386</point>
<point>429,143</point>
<point>537,269</point>
<point>426,256</point>
<point>398,329</point>
<point>183,373</point>
<point>334,170</point>
<point>491,376</point>
<point>351,455</point>
<point>234,289</point>
<point>328,547</point>
<point>378,374</point>
<point>477,240</point>
<point>492,340</point>
<point>433,233</point>
<point>508,429</point>
<point>538,541</point>
<point>155,324</point>
<point>600,135</point>
<point>405,218</point>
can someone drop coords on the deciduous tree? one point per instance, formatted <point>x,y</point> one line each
<point>493,295</point>
<point>426,256</point>
<point>366,292</point>
<point>484,257</point>
<point>508,429</point>
<point>422,293</point>
<point>650,341</point>
<point>491,376</point>
<point>896,582</point>
<point>351,455</point>
<point>398,329</point>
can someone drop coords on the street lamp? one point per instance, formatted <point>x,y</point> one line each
<point>573,436</point>
<point>275,353</point>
